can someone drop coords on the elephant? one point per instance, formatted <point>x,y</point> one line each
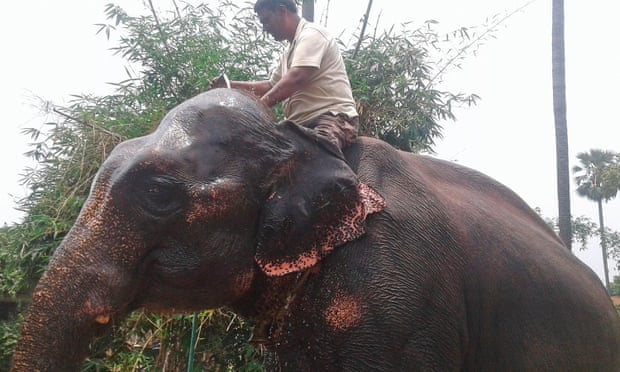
<point>370,259</point>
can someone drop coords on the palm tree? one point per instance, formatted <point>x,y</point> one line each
<point>592,182</point>
<point>559,111</point>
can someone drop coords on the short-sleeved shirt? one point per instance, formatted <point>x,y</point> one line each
<point>329,89</point>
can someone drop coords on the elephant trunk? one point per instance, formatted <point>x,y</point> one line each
<point>75,301</point>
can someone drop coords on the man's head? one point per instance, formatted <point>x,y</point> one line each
<point>278,17</point>
<point>290,5</point>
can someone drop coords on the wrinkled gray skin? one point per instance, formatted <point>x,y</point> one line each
<point>219,207</point>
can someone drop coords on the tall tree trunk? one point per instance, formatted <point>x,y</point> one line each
<point>603,243</point>
<point>307,10</point>
<point>561,132</point>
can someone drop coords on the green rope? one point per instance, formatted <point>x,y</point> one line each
<point>190,360</point>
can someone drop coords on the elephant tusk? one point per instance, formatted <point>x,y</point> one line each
<point>102,319</point>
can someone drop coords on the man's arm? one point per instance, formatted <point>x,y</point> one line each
<point>294,80</point>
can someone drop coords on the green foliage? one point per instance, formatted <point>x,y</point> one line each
<point>8,340</point>
<point>172,57</point>
<point>584,230</point>
<point>394,82</point>
<point>610,178</point>
<point>612,239</point>
<point>615,286</point>
<point>147,342</point>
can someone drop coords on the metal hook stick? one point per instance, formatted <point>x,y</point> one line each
<point>224,77</point>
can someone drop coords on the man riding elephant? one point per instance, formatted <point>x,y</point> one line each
<point>311,79</point>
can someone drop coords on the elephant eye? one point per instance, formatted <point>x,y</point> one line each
<point>162,196</point>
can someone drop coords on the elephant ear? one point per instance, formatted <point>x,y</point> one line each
<point>315,205</point>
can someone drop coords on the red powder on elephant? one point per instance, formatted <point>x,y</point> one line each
<point>304,261</point>
<point>344,312</point>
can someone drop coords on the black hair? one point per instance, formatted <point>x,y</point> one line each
<point>290,5</point>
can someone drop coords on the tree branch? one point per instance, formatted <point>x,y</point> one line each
<point>93,126</point>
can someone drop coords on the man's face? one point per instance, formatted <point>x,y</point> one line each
<point>272,21</point>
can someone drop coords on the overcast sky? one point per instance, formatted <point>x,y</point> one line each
<point>51,51</point>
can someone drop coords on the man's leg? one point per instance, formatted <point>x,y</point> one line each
<point>339,129</point>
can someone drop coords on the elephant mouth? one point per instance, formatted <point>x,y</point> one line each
<point>178,277</point>
<point>170,280</point>
<point>173,263</point>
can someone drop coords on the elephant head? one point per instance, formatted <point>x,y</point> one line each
<point>190,217</point>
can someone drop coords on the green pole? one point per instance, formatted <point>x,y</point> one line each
<point>190,360</point>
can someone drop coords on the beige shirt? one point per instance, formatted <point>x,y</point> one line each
<point>328,89</point>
